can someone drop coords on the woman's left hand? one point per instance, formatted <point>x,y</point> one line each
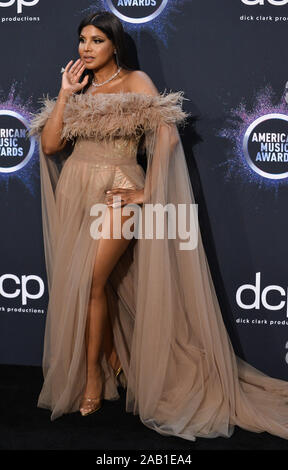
<point>128,196</point>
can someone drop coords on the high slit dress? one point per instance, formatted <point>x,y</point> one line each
<point>183,377</point>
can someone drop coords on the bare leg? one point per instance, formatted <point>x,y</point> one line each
<point>109,347</point>
<point>98,323</point>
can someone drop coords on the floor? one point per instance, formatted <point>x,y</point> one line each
<point>23,426</point>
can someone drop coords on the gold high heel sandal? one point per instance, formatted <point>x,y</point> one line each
<point>120,376</point>
<point>89,404</point>
<point>118,371</point>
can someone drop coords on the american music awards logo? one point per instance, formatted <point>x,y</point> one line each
<point>259,139</point>
<point>15,149</point>
<point>138,15</point>
<point>137,11</point>
<point>265,146</point>
<point>18,159</point>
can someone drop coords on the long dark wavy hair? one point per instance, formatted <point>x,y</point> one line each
<point>112,27</point>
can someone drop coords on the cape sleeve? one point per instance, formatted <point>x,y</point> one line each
<point>50,169</point>
<point>185,377</point>
<point>163,319</point>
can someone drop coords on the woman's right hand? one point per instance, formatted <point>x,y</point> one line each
<point>71,76</point>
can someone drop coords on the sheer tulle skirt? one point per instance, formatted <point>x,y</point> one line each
<point>78,188</point>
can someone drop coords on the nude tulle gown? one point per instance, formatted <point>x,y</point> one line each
<point>183,377</point>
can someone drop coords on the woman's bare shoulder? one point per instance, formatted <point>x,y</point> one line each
<point>138,81</point>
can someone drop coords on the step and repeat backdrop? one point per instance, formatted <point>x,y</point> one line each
<point>229,57</point>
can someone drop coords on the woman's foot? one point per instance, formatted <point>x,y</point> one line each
<point>92,398</point>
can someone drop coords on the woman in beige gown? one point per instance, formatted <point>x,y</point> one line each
<point>183,377</point>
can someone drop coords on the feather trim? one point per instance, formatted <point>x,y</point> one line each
<point>109,115</point>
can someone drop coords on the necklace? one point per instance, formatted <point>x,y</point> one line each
<point>106,81</point>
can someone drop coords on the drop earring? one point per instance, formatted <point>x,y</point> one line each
<point>117,62</point>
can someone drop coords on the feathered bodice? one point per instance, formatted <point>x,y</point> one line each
<point>108,116</point>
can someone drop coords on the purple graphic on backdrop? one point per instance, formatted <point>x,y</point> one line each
<point>259,138</point>
<point>156,16</point>
<point>17,157</point>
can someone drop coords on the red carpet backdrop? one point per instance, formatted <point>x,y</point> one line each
<point>229,57</point>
